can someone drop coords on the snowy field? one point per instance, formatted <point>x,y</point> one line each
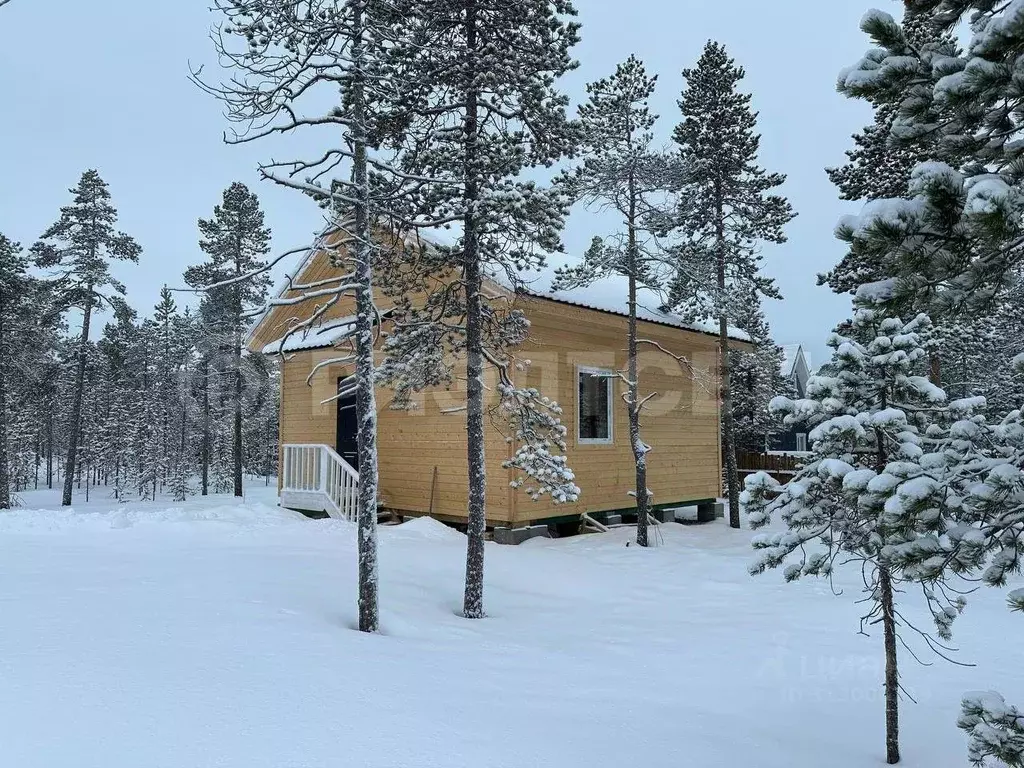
<point>219,634</point>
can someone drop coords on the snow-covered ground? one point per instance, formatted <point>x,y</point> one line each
<point>219,634</point>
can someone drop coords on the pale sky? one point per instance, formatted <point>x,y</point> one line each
<point>103,83</point>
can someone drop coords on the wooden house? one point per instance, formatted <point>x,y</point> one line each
<point>576,339</point>
<point>796,370</point>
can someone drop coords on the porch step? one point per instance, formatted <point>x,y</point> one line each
<point>315,479</point>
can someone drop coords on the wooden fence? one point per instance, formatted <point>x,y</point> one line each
<point>781,467</point>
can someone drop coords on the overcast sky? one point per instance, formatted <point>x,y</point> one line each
<point>103,84</point>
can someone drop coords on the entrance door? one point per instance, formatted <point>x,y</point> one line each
<point>347,426</point>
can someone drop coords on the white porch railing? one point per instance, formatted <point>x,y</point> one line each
<point>314,478</point>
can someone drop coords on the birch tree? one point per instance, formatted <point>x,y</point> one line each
<point>78,249</point>
<point>622,173</point>
<point>727,209</point>
<point>482,109</point>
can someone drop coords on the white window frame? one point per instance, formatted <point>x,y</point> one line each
<point>610,376</point>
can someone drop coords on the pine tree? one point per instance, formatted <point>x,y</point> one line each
<point>994,728</point>
<point>15,287</point>
<point>880,166</point>
<point>867,493</point>
<point>620,171</point>
<point>963,497</point>
<point>726,209</point>
<point>184,331</point>
<point>236,241</point>
<point>122,363</point>
<point>262,402</point>
<point>978,352</point>
<point>298,48</point>
<point>166,363</point>
<point>482,109</point>
<point>955,242</point>
<point>756,380</point>
<point>78,248</point>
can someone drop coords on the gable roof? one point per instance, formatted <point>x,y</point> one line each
<point>607,294</point>
<point>791,354</point>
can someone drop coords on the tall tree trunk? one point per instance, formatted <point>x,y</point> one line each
<point>236,441</point>
<point>366,401</point>
<point>473,602</point>
<point>49,448</point>
<point>206,427</point>
<point>183,443</point>
<point>935,369</point>
<point>633,373</point>
<point>892,679</point>
<point>76,404</point>
<point>5,479</point>
<point>732,477</point>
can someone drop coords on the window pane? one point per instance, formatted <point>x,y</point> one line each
<point>594,402</point>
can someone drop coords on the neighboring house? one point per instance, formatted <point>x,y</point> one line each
<point>575,347</point>
<point>796,370</point>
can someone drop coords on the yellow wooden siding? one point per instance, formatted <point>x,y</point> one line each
<point>410,443</point>
<point>681,423</point>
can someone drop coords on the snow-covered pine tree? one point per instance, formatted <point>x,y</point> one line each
<point>874,418</point>
<point>295,48</point>
<point>482,108</point>
<point>956,241</point>
<point>977,353</point>
<point>123,356</point>
<point>150,457</point>
<point>876,169</point>
<point>236,242</point>
<point>78,249</point>
<point>621,172</point>
<point>204,385</point>
<point>727,208</point>
<point>756,380</point>
<point>166,364</point>
<point>966,494</point>
<point>15,287</point>
<point>880,165</point>
<point>262,398</point>
<point>995,730</point>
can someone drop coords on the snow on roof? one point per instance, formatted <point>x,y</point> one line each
<point>606,295</point>
<point>609,295</point>
<point>326,335</point>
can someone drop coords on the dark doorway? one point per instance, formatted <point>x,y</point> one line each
<point>347,426</point>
